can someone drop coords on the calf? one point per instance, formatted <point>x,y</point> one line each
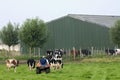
<point>31,63</point>
<point>12,63</point>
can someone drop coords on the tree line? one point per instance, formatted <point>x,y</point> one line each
<point>32,33</point>
<point>115,33</point>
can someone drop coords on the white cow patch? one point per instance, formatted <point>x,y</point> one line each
<point>117,51</point>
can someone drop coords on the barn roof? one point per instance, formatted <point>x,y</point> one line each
<point>105,20</point>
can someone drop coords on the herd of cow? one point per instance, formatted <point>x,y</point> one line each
<point>82,52</point>
<point>87,52</point>
<point>53,60</point>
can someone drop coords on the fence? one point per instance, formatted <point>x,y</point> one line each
<point>67,56</point>
<point>94,53</point>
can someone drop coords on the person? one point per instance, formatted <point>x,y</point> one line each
<point>43,61</point>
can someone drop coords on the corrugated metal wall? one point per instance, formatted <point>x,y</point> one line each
<point>67,32</point>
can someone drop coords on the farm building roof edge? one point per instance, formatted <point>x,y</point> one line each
<point>104,20</point>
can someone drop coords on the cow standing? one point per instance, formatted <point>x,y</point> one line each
<point>49,55</point>
<point>56,60</point>
<point>110,51</point>
<point>12,63</point>
<point>31,63</point>
<point>56,64</point>
<point>85,52</point>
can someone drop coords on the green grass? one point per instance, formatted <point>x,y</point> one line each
<point>71,71</point>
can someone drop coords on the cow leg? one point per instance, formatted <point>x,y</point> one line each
<point>8,69</point>
<point>14,69</point>
<point>54,67</point>
<point>30,67</point>
<point>62,65</point>
<point>58,66</point>
<point>33,65</point>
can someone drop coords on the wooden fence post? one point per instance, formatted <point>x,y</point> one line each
<point>74,53</point>
<point>39,52</point>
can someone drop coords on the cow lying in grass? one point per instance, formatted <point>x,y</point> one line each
<point>31,63</point>
<point>12,63</point>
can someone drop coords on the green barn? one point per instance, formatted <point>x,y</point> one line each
<point>80,31</point>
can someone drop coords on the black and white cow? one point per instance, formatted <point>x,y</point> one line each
<point>110,51</point>
<point>56,64</point>
<point>85,52</point>
<point>31,63</point>
<point>56,60</point>
<point>49,55</point>
<point>12,63</point>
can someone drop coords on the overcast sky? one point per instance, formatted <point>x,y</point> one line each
<point>17,11</point>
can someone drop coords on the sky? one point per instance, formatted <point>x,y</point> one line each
<point>17,11</point>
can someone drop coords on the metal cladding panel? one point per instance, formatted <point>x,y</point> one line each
<point>67,32</point>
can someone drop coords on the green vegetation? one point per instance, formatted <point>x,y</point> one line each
<point>86,69</point>
<point>115,33</point>
<point>33,33</point>
<point>9,34</point>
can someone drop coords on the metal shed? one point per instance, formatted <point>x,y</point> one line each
<point>80,31</point>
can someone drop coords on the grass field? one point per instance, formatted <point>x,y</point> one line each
<point>75,70</point>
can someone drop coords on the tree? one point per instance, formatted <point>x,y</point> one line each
<point>33,33</point>
<point>9,34</point>
<point>115,33</point>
